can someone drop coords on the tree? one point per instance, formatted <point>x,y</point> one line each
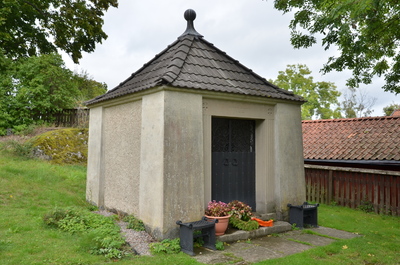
<point>356,103</point>
<point>34,27</point>
<point>321,96</point>
<point>6,89</point>
<point>42,86</point>
<point>88,87</point>
<point>34,88</point>
<point>365,32</point>
<point>388,110</point>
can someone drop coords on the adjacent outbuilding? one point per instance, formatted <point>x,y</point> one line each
<point>190,126</point>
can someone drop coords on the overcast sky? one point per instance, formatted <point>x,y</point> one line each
<point>250,31</point>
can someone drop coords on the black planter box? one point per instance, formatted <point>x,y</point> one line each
<point>303,215</point>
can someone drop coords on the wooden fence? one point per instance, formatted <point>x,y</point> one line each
<point>69,118</point>
<point>374,190</point>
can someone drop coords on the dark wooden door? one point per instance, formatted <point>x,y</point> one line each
<point>233,160</point>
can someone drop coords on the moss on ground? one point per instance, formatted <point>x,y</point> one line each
<point>63,146</point>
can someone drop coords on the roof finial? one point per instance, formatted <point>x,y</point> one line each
<point>190,16</point>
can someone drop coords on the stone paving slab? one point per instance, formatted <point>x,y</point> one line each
<point>270,246</point>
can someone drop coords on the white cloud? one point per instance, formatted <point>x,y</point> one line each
<point>252,32</point>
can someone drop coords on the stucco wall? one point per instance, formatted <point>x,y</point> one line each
<point>171,182</point>
<point>289,163</point>
<point>152,156</point>
<point>121,143</point>
<point>94,177</point>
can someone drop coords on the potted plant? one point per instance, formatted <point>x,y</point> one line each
<point>241,216</point>
<point>218,210</point>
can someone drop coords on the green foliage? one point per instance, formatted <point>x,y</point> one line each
<point>24,129</point>
<point>33,89</point>
<point>167,246</point>
<point>217,209</point>
<point>29,28</point>
<point>107,241</point>
<point>219,245</point>
<point>322,97</point>
<point>243,225</point>
<point>365,33</point>
<point>88,87</point>
<point>40,87</point>
<point>240,210</point>
<point>101,232</point>
<point>388,110</point>
<point>32,188</point>
<point>366,206</point>
<point>198,241</point>
<point>24,149</point>
<point>134,223</point>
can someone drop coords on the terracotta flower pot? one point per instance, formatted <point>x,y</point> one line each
<point>222,224</point>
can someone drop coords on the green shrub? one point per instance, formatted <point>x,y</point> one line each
<point>243,225</point>
<point>24,129</point>
<point>198,240</point>
<point>106,241</point>
<point>240,210</point>
<point>134,223</point>
<point>19,149</point>
<point>366,206</point>
<point>219,245</point>
<point>100,235</point>
<point>168,246</point>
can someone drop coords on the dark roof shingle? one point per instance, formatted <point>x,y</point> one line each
<point>372,138</point>
<point>193,63</point>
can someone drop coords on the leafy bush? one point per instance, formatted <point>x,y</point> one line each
<point>240,210</point>
<point>219,245</point>
<point>24,129</point>
<point>243,225</point>
<point>106,241</point>
<point>100,233</point>
<point>168,246</point>
<point>366,206</point>
<point>134,223</point>
<point>19,149</point>
<point>217,209</point>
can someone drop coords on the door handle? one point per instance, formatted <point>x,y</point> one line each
<point>226,162</point>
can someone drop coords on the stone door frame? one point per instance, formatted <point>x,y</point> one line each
<point>263,115</point>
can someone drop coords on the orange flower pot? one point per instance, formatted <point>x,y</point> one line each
<point>263,223</point>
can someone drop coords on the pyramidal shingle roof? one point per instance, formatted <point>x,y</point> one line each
<point>191,62</point>
<point>371,138</point>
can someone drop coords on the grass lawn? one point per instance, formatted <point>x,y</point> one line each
<point>379,242</point>
<point>31,188</point>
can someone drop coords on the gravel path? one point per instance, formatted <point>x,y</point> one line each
<point>138,240</point>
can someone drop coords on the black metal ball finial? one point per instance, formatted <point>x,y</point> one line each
<point>190,16</point>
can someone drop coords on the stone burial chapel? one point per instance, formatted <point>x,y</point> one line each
<point>194,125</point>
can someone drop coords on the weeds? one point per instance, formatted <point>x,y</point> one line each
<point>219,245</point>
<point>134,223</point>
<point>243,225</point>
<point>100,234</point>
<point>167,246</point>
<point>24,150</point>
<point>366,206</point>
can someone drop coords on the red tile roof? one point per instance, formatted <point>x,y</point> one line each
<point>396,113</point>
<point>372,138</point>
